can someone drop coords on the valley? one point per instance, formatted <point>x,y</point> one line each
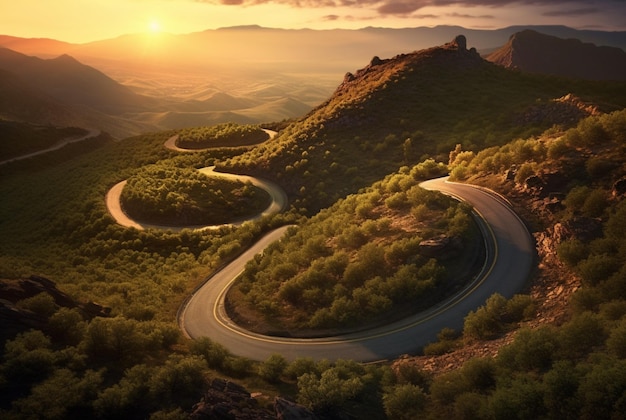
<point>363,260</point>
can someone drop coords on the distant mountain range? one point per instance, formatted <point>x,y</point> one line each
<point>535,52</point>
<point>71,82</point>
<point>147,82</point>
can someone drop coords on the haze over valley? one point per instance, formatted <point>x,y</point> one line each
<point>285,223</point>
<point>176,81</point>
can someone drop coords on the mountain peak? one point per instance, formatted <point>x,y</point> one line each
<point>535,52</point>
<point>66,57</point>
<point>458,46</point>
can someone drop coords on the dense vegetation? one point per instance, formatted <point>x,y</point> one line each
<point>164,195</point>
<point>576,370</point>
<point>135,364</point>
<point>220,135</point>
<point>21,138</point>
<point>361,259</point>
<point>409,108</point>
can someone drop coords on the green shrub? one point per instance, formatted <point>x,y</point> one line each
<point>404,402</point>
<point>597,268</point>
<point>41,304</point>
<point>532,350</point>
<point>272,368</point>
<point>616,343</point>
<point>572,251</point>
<point>581,335</point>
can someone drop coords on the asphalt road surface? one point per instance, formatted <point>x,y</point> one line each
<point>510,258</point>
<point>90,134</point>
<point>277,195</point>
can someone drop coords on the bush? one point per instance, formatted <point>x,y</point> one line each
<point>328,391</point>
<point>581,335</point>
<point>532,350</point>
<point>597,268</point>
<point>213,353</point>
<point>495,316</point>
<point>521,399</point>
<point>616,343</point>
<point>404,402</point>
<point>220,135</point>
<point>572,251</point>
<point>41,304</point>
<point>561,390</point>
<point>62,395</point>
<point>272,368</point>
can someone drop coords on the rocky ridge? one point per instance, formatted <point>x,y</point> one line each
<point>534,52</point>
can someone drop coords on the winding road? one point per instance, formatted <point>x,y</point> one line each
<point>510,257</point>
<point>277,195</point>
<point>91,133</point>
<point>171,143</point>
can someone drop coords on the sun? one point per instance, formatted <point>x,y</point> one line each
<point>155,26</point>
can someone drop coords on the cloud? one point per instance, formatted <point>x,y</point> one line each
<point>572,12</point>
<point>468,16</point>
<point>410,8</point>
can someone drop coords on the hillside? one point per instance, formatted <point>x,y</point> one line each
<point>534,52</point>
<point>73,83</point>
<point>552,146</point>
<point>396,111</point>
<point>280,67</point>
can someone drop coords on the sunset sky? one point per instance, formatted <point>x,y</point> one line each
<point>82,21</point>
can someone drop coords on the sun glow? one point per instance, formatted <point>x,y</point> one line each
<point>155,26</point>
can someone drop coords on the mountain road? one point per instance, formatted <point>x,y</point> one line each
<point>508,265</point>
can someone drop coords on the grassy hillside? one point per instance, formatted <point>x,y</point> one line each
<point>370,136</point>
<point>398,111</point>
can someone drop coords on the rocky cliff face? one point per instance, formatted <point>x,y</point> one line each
<point>533,52</point>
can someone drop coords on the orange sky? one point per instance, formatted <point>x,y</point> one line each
<point>89,20</point>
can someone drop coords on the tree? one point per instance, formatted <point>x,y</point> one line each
<point>28,357</point>
<point>179,382</point>
<point>272,368</point>
<point>521,399</point>
<point>616,343</point>
<point>602,390</point>
<point>405,401</point>
<point>63,395</point>
<point>581,335</point>
<point>561,390</point>
<point>327,391</point>
<point>485,322</point>
<point>532,350</point>
<point>214,353</point>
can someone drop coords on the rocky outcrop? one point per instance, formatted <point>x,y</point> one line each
<point>440,246</point>
<point>566,110</point>
<point>15,319</point>
<point>230,401</point>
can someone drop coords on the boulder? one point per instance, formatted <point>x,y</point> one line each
<point>439,246</point>
<point>229,401</point>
